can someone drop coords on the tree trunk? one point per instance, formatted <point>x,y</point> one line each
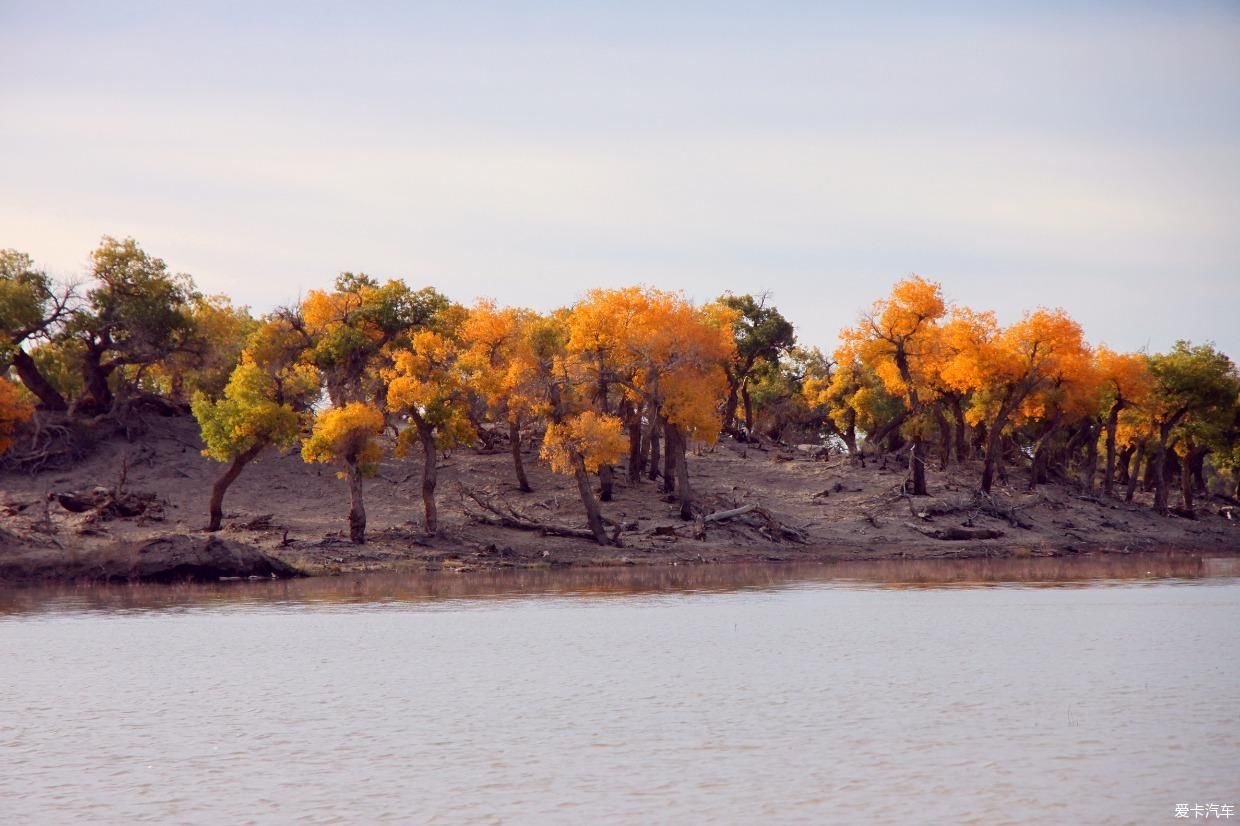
<point>1199,469</point>
<point>945,437</point>
<point>748,410</point>
<point>1134,475</point>
<point>1160,469</point>
<point>682,477</point>
<point>357,511</point>
<point>1037,468</point>
<point>1091,458</point>
<point>635,444</point>
<point>653,436</point>
<point>670,450</point>
<point>849,435</point>
<point>49,397</point>
<point>95,377</point>
<point>980,436</point>
<point>883,432</point>
<point>962,429</point>
<point>1108,478</point>
<point>216,508</point>
<point>994,440</point>
<point>514,441</point>
<point>994,445</point>
<point>606,482</point>
<point>917,465</point>
<point>729,407</point>
<point>1123,465</point>
<point>430,476</point>
<point>594,516</point>
<point>1186,479</point>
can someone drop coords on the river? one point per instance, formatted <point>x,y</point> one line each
<point>1029,691</point>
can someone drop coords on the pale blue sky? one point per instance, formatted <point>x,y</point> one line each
<point>1066,154</point>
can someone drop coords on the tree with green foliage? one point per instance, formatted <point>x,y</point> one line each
<point>265,404</point>
<point>137,314</point>
<point>211,351</point>
<point>763,336</point>
<point>1193,389</point>
<point>30,311</point>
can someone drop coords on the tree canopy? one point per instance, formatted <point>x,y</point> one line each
<point>632,378</point>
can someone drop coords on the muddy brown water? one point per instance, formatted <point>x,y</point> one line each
<point>1099,690</point>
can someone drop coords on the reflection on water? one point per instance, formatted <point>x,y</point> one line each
<point>1097,690</point>
<point>364,589</point>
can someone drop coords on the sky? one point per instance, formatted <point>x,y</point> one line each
<point>1058,154</point>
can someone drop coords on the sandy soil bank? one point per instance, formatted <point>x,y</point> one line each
<point>284,512</point>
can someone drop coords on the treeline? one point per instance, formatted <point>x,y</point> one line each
<point>622,381</point>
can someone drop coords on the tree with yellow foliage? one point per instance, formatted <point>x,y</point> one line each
<point>683,372</point>
<point>351,328</point>
<point>1004,368</point>
<point>15,411</point>
<point>578,445</point>
<point>426,385</point>
<point>656,352</point>
<point>265,404</point>
<point>898,338</point>
<point>579,440</point>
<point>854,400</point>
<point>496,360</point>
<point>603,330</point>
<point>348,435</point>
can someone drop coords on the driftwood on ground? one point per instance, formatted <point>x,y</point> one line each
<point>959,534</point>
<point>504,515</point>
<point>759,518</point>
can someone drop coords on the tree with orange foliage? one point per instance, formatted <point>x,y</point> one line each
<point>1126,382</point>
<point>1071,392</point>
<point>897,338</point>
<point>348,435</point>
<point>578,440</point>
<point>602,330</point>
<point>15,411</point>
<point>683,372</point>
<point>427,385</point>
<point>1005,368</point>
<point>663,355</point>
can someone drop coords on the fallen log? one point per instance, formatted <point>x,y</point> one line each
<point>720,516</point>
<point>955,534</point>
<point>508,517</point>
<point>760,519</point>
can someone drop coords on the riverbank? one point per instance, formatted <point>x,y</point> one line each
<point>134,510</point>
